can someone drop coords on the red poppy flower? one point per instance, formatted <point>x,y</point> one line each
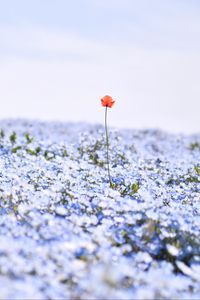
<point>107,101</point>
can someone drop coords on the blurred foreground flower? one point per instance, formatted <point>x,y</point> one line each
<point>107,101</point>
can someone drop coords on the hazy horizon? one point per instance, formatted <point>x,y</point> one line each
<point>57,59</point>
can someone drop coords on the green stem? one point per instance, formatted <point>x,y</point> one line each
<point>107,147</point>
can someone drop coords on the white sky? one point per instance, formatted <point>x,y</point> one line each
<point>58,58</point>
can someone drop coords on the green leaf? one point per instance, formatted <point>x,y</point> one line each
<point>28,138</point>
<point>135,187</point>
<point>197,170</point>
<point>30,151</point>
<point>14,150</point>
<point>13,137</point>
<point>2,134</point>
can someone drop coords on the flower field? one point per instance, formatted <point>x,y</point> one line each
<point>65,233</point>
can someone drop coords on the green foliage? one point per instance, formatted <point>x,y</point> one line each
<point>159,236</point>
<point>2,134</point>
<point>48,155</point>
<point>15,149</point>
<point>34,152</point>
<point>90,149</point>
<point>94,158</point>
<point>130,189</point>
<point>37,150</point>
<point>172,181</point>
<point>31,151</point>
<point>112,185</point>
<point>197,170</point>
<point>120,159</point>
<point>65,154</point>
<point>13,137</point>
<point>192,179</point>
<point>28,138</point>
<point>194,146</point>
<point>135,187</point>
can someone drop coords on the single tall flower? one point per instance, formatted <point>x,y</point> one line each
<point>107,101</point>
